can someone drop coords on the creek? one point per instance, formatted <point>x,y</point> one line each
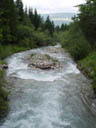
<point>46,98</point>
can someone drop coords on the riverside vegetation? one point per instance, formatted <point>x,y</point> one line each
<point>79,38</point>
<point>22,29</point>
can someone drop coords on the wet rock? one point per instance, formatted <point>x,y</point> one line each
<point>3,66</point>
<point>43,61</point>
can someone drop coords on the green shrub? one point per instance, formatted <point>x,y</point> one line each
<point>24,31</point>
<point>25,35</point>
<point>2,62</point>
<point>28,37</point>
<point>1,75</point>
<point>88,64</point>
<point>10,49</point>
<point>75,42</point>
<point>1,36</point>
<point>3,96</point>
<point>80,49</point>
<point>42,39</point>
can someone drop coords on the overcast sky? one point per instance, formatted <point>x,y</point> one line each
<point>53,6</point>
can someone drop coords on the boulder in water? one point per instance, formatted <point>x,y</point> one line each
<point>3,66</point>
<point>43,61</point>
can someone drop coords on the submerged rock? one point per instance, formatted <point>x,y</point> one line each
<point>43,61</point>
<point>3,66</point>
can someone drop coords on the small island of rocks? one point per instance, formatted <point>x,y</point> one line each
<point>43,61</point>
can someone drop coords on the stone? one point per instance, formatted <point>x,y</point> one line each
<point>43,61</point>
<point>3,66</point>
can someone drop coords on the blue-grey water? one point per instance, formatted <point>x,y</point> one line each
<point>46,99</point>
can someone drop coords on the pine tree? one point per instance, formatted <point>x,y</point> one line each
<point>26,11</point>
<point>8,21</point>
<point>19,6</point>
<point>57,28</point>
<point>49,26</point>
<point>31,15</point>
<point>26,19</point>
<point>37,20</point>
<point>87,20</point>
<point>13,22</point>
<point>64,27</point>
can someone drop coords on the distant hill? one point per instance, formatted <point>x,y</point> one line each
<point>60,18</point>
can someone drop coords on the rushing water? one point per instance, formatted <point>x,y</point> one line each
<point>46,99</point>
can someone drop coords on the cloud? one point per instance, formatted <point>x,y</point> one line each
<point>53,6</point>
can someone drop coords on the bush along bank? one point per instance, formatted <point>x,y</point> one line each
<point>4,107</point>
<point>88,67</point>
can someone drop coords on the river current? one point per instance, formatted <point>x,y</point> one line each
<point>46,98</point>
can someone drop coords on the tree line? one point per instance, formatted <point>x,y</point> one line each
<point>15,20</point>
<point>88,21</point>
<point>80,36</point>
